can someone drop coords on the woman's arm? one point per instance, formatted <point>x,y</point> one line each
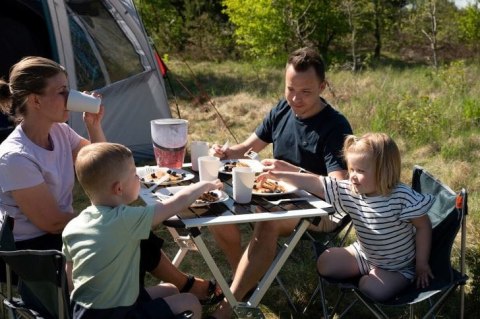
<point>41,208</point>
<point>94,128</point>
<point>423,239</point>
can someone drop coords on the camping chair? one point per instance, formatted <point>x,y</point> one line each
<point>448,216</point>
<point>42,285</point>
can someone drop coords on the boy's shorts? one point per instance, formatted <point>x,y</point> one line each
<point>144,308</point>
<point>150,255</point>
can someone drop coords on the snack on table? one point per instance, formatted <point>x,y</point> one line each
<point>228,166</point>
<point>172,176</point>
<point>268,186</point>
<point>207,197</point>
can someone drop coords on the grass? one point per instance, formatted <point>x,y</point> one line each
<point>433,116</point>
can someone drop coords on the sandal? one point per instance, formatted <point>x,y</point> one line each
<point>212,298</point>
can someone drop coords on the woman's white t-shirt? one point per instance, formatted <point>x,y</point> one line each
<point>24,164</point>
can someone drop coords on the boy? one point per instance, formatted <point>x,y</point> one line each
<point>102,244</point>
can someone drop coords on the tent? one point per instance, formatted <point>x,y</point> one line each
<point>104,47</point>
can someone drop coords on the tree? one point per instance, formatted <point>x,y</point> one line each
<point>469,24</point>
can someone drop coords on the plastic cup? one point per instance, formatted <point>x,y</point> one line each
<point>81,102</point>
<point>169,138</point>
<point>208,167</point>
<point>243,180</point>
<point>197,149</point>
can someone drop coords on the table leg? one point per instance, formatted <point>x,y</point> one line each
<point>184,243</point>
<point>202,248</point>
<point>278,262</point>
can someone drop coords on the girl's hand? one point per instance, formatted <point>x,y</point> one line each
<point>279,165</point>
<point>424,273</point>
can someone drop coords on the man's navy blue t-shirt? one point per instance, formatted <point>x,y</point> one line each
<point>314,144</point>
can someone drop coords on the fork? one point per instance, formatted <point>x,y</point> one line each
<point>286,200</point>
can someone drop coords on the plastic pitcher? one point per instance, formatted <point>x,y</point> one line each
<point>169,137</point>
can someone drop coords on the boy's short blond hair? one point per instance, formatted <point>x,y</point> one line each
<point>100,164</point>
<point>383,151</point>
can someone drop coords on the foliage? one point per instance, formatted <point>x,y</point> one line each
<point>197,29</point>
<point>469,24</point>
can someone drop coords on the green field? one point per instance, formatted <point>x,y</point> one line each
<point>433,116</point>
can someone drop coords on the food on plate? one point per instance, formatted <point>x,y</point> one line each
<point>173,176</point>
<point>268,186</point>
<point>228,166</point>
<point>207,197</point>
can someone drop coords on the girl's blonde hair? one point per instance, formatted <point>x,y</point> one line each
<point>383,151</point>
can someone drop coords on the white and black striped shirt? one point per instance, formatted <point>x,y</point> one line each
<point>382,223</point>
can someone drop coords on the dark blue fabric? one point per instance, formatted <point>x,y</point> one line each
<point>314,143</point>
<point>145,307</point>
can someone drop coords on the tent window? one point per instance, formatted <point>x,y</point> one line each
<point>103,53</point>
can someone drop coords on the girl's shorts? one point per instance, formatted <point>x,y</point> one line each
<point>365,266</point>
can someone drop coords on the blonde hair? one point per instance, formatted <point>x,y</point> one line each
<point>383,151</point>
<point>27,76</point>
<point>99,164</point>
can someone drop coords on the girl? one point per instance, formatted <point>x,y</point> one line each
<point>390,219</point>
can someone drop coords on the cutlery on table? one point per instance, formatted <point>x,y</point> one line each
<point>286,200</point>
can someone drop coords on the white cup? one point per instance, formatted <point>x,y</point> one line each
<point>208,167</point>
<point>243,179</point>
<point>81,102</point>
<point>197,149</point>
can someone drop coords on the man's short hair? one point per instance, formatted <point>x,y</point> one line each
<point>304,58</point>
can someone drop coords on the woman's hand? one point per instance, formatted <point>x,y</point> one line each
<point>94,119</point>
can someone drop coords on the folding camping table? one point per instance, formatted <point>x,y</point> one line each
<point>194,220</point>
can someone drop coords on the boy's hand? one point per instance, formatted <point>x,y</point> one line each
<point>424,273</point>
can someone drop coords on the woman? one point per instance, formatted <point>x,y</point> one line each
<point>37,172</point>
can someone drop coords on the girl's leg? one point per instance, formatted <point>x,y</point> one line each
<point>381,284</point>
<point>338,262</point>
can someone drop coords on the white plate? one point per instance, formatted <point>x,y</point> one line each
<point>254,164</point>
<point>169,191</point>
<point>145,172</point>
<point>289,188</point>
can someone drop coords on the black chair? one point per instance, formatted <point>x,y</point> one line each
<point>42,287</point>
<point>448,216</point>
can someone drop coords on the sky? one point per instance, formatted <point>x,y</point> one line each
<point>462,3</point>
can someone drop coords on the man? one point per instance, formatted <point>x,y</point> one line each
<point>308,134</point>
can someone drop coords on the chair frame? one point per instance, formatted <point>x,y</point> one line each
<point>16,306</point>
<point>445,291</point>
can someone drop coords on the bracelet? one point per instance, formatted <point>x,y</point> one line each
<point>301,170</point>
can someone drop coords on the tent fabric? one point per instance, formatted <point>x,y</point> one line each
<point>104,47</point>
